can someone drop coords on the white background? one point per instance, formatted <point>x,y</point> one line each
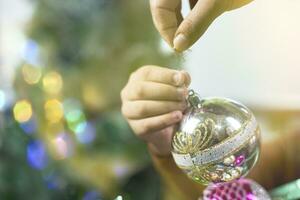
<point>252,55</point>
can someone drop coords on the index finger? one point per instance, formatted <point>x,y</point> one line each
<point>162,75</point>
<point>166,17</point>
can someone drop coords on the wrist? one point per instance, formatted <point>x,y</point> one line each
<point>159,152</point>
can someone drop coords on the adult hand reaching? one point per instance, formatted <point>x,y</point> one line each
<point>181,33</point>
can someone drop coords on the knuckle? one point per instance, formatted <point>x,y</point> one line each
<point>172,106</point>
<point>124,110</point>
<point>164,123</point>
<point>187,26</point>
<point>223,5</point>
<point>139,90</point>
<point>133,76</point>
<point>140,73</point>
<point>145,70</point>
<point>123,94</point>
<point>141,110</point>
<point>145,129</point>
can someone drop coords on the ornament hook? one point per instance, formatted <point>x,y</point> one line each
<point>194,99</point>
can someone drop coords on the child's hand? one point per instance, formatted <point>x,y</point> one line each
<point>152,102</point>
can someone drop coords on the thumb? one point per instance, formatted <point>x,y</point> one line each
<point>197,22</point>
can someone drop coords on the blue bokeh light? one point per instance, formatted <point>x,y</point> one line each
<point>2,100</point>
<point>87,135</point>
<point>30,52</point>
<point>36,155</point>
<point>92,195</point>
<point>30,126</point>
<point>55,181</point>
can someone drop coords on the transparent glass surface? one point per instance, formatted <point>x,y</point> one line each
<point>217,141</point>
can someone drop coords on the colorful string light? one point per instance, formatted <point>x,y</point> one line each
<point>92,195</point>
<point>30,52</point>
<point>53,110</point>
<point>30,126</point>
<point>52,83</point>
<point>2,100</point>
<point>22,111</point>
<point>37,155</point>
<point>84,131</point>
<point>63,146</point>
<point>31,74</point>
<point>55,181</point>
<point>87,135</point>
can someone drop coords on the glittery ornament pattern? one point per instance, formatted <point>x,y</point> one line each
<point>242,189</point>
<point>186,143</point>
<point>217,141</point>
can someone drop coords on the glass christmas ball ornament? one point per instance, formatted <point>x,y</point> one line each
<point>217,141</point>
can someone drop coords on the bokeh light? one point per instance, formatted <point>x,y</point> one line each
<point>52,129</point>
<point>30,52</point>
<point>92,195</point>
<point>52,82</point>
<point>91,153</point>
<point>87,135</point>
<point>76,120</point>
<point>22,111</point>
<point>37,155</point>
<point>121,170</point>
<point>2,100</point>
<point>165,48</point>
<point>53,110</point>
<point>54,180</point>
<point>94,98</point>
<point>30,126</point>
<point>119,197</point>
<point>31,74</point>
<point>63,146</point>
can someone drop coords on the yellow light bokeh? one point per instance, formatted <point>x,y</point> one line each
<point>93,97</point>
<point>22,111</point>
<point>53,129</point>
<point>52,83</point>
<point>31,74</point>
<point>53,111</point>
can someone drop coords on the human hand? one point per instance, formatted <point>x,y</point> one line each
<point>181,33</point>
<point>153,102</point>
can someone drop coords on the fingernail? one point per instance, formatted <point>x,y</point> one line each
<point>185,92</point>
<point>180,42</point>
<point>187,82</point>
<point>178,79</point>
<point>181,93</point>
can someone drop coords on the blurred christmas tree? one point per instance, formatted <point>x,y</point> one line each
<point>64,137</point>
